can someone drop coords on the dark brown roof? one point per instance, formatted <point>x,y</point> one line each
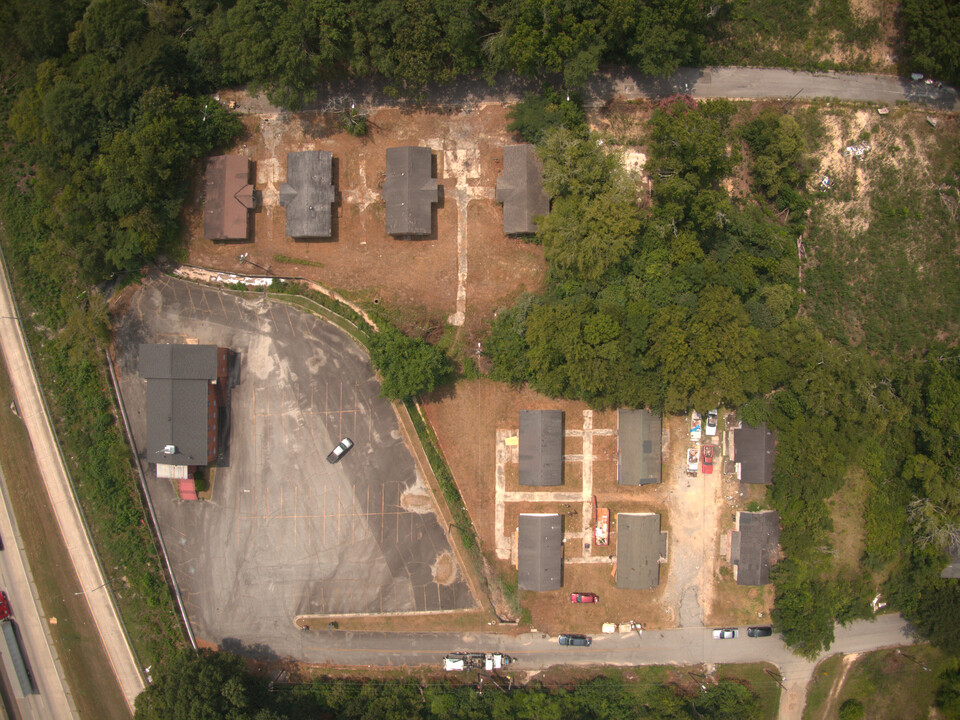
<point>229,198</point>
<point>755,448</point>
<point>409,190</point>
<point>520,189</point>
<point>308,193</point>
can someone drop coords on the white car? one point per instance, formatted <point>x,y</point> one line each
<point>711,424</point>
<point>339,451</point>
<point>725,633</point>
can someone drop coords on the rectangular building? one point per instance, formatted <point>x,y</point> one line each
<point>639,445</point>
<point>754,546</point>
<point>229,198</point>
<point>308,194</point>
<point>520,189</point>
<point>540,551</point>
<point>641,548</point>
<point>541,447</point>
<point>409,191</point>
<point>754,450</point>
<point>186,391</point>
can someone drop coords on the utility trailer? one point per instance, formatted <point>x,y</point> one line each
<point>458,662</point>
<point>15,662</point>
<point>461,661</point>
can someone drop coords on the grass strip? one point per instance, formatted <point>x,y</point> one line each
<point>288,260</point>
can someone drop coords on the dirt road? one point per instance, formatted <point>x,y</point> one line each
<point>57,482</point>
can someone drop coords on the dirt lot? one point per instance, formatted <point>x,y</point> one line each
<point>463,271</point>
<point>696,585</point>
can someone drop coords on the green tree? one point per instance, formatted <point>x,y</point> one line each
<point>729,700</point>
<point>408,366</point>
<point>199,684</point>
<point>588,238</point>
<point>852,709</point>
<point>932,37</point>
<point>948,692</point>
<point>286,47</point>
<point>548,36</point>
<point>536,114</point>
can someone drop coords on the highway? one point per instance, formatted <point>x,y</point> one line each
<point>56,480</point>
<point>52,701</point>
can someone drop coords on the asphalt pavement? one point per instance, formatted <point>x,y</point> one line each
<point>52,700</point>
<point>609,83</point>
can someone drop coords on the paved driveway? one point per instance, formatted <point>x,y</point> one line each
<point>285,533</point>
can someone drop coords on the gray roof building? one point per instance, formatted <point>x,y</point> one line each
<point>639,442</point>
<point>520,189</point>
<point>540,551</point>
<point>952,569</point>
<point>308,194</point>
<point>754,546</point>
<point>541,447</point>
<point>182,402</point>
<point>229,198</point>
<point>641,548</point>
<point>755,448</point>
<point>409,190</point>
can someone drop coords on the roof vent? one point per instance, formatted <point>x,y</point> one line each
<point>169,449</point>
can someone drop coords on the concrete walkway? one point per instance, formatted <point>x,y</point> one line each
<point>58,486</point>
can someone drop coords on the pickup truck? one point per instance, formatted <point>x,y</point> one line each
<point>693,461</point>
<point>696,427</point>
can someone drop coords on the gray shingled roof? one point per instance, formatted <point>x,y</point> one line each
<point>540,552</point>
<point>640,545</point>
<point>409,190</point>
<point>755,449</point>
<point>639,441</point>
<point>541,447</point>
<point>753,549</point>
<point>228,198</point>
<point>308,193</point>
<point>520,189</point>
<point>178,381</point>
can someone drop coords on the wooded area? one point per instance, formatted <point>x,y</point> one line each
<point>688,301</point>
<point>216,685</point>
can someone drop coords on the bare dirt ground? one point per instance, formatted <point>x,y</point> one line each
<point>472,420</point>
<point>462,272</point>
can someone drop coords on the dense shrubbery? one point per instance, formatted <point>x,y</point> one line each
<point>693,303</point>
<point>215,685</point>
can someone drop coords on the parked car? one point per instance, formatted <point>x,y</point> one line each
<point>725,633</point>
<point>584,598</point>
<point>760,631</point>
<point>575,640</point>
<point>711,424</point>
<point>707,459</point>
<point>339,451</point>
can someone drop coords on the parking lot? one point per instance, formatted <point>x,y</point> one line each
<point>284,533</point>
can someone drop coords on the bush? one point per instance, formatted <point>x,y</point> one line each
<point>852,710</point>
<point>408,366</point>
<point>533,116</point>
